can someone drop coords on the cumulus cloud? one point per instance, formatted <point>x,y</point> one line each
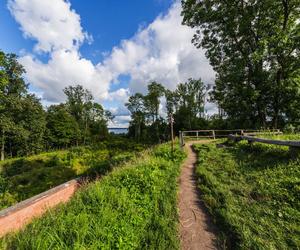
<point>63,69</point>
<point>120,95</point>
<point>161,51</point>
<point>52,23</point>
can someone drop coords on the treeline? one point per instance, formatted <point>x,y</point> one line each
<point>26,128</point>
<point>253,47</point>
<point>185,106</point>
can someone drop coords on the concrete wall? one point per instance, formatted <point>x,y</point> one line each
<point>17,216</point>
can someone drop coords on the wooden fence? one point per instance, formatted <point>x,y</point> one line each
<point>250,139</point>
<point>219,133</point>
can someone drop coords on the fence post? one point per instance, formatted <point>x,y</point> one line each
<point>214,134</point>
<point>180,139</point>
<point>197,135</point>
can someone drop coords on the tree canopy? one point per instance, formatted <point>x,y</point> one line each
<point>27,128</point>
<point>254,48</point>
<point>150,117</point>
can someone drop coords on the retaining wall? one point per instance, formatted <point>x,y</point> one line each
<point>17,216</point>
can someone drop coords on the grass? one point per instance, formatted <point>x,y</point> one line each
<point>25,177</point>
<point>134,207</point>
<point>282,136</point>
<point>252,193</point>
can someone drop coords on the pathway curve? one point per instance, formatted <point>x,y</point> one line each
<point>196,228</point>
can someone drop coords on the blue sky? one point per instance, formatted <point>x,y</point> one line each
<point>113,48</point>
<point>108,21</point>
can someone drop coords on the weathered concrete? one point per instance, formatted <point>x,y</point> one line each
<point>17,216</point>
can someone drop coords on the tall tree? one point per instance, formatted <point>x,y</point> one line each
<point>91,117</point>
<point>33,120</point>
<point>152,102</point>
<point>189,103</point>
<point>98,121</point>
<point>79,103</point>
<point>254,48</point>
<point>62,127</point>
<point>136,107</point>
<point>18,110</point>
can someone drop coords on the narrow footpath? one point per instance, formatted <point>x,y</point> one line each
<point>196,228</point>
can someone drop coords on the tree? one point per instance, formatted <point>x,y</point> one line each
<point>186,103</point>
<point>79,103</point>
<point>136,107</point>
<point>33,120</point>
<point>152,100</point>
<point>98,121</point>
<point>91,117</point>
<point>254,48</point>
<point>151,104</point>
<point>18,111</point>
<point>62,127</point>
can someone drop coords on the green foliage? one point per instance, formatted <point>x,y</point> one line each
<point>25,177</point>
<point>22,121</point>
<point>134,207</point>
<point>90,116</point>
<point>253,193</point>
<point>62,128</point>
<point>189,105</point>
<point>254,48</point>
<point>26,129</point>
<point>185,105</point>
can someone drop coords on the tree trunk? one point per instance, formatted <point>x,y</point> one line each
<point>136,131</point>
<point>277,98</point>
<point>2,146</point>
<point>139,131</point>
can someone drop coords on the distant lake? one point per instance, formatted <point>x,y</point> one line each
<point>118,130</point>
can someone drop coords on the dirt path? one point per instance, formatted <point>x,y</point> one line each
<point>196,228</point>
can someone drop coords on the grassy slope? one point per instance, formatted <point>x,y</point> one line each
<point>282,137</point>
<point>253,192</point>
<point>25,177</point>
<point>134,207</point>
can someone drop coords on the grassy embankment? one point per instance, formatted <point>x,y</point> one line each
<point>25,177</point>
<point>253,193</point>
<point>282,137</point>
<point>134,207</point>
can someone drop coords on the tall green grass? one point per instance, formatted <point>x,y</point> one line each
<point>253,193</point>
<point>292,137</point>
<point>25,177</point>
<point>134,207</point>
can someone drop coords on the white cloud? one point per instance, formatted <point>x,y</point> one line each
<point>63,69</point>
<point>161,51</point>
<point>120,95</point>
<point>120,121</point>
<point>51,22</point>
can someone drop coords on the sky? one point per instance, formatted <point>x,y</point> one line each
<point>113,48</point>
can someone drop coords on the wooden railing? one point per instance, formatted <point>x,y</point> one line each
<point>251,139</point>
<point>220,133</point>
<point>294,146</point>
